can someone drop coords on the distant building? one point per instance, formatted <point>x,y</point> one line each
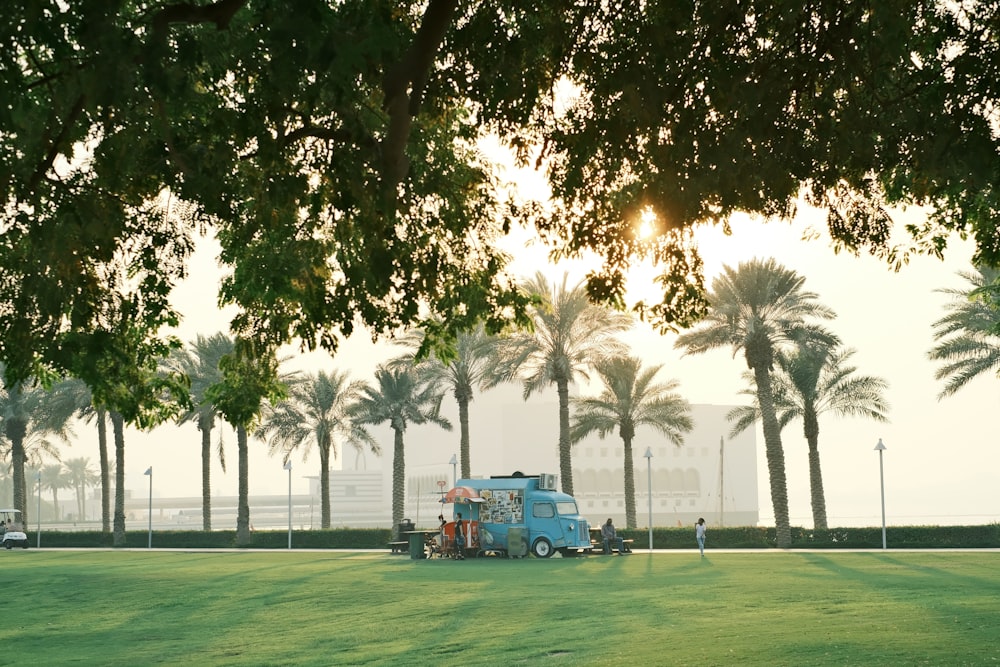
<point>710,476</point>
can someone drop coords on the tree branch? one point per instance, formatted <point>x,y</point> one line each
<point>403,87</point>
<point>54,147</point>
<point>326,134</point>
<point>220,13</point>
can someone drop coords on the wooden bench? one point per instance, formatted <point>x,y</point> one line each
<point>598,546</point>
<point>400,547</point>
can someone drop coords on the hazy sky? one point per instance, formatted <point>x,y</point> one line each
<point>942,461</point>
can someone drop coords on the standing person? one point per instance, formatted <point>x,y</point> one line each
<point>459,539</point>
<point>699,532</point>
<point>610,536</point>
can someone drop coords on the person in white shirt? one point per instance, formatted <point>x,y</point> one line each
<point>699,532</point>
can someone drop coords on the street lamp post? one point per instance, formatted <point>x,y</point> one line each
<point>288,467</point>
<point>38,514</point>
<point>454,470</point>
<point>649,491</point>
<point>881,479</point>
<point>149,472</point>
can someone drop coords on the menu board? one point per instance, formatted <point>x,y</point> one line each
<point>502,506</point>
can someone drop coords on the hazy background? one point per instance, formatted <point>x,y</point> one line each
<point>941,465</point>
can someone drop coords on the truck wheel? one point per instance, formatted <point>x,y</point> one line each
<point>542,548</point>
<point>8,545</point>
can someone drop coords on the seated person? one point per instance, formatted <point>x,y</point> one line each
<point>610,537</point>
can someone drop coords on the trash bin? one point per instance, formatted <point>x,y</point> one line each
<point>417,546</point>
<point>517,542</point>
<point>404,526</point>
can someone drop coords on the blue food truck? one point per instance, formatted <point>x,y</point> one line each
<point>515,514</point>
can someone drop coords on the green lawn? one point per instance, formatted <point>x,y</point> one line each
<point>334,608</point>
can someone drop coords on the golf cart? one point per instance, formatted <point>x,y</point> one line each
<point>13,531</point>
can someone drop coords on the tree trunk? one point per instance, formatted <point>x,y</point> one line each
<point>775,456</point>
<point>243,536</point>
<point>118,428</point>
<point>16,430</point>
<point>102,444</point>
<point>81,494</point>
<point>463,424</point>
<point>324,481</point>
<point>206,474</point>
<point>17,455</point>
<point>565,455</point>
<point>630,520</point>
<point>811,427</point>
<point>398,480</point>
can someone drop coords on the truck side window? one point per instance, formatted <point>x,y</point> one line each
<point>543,510</point>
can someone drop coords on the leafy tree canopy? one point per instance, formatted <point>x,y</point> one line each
<point>331,146</point>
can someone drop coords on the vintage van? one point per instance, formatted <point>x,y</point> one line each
<point>519,513</point>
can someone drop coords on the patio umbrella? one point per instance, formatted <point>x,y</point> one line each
<point>463,495</point>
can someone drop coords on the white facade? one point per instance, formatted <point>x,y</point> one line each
<point>710,475</point>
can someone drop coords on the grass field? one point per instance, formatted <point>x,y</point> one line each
<point>333,608</point>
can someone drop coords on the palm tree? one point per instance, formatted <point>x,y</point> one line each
<point>200,364</point>
<point>80,394</point>
<point>118,432</point>
<point>318,411</point>
<point>249,377</point>
<point>469,368</point>
<point>54,477</point>
<point>76,394</point>
<point>570,334</point>
<point>631,399</point>
<point>968,337</point>
<point>402,397</point>
<point>813,380</point>
<point>29,416</point>
<point>80,476</point>
<point>757,308</point>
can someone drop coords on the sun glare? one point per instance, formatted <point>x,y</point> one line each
<point>647,223</point>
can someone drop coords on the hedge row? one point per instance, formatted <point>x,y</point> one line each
<point>750,537</point>
<point>754,537</point>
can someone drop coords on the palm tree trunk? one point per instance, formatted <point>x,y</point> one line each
<point>811,427</point>
<point>565,455</point>
<point>324,481</point>
<point>398,480</point>
<point>463,424</point>
<point>206,477</point>
<point>243,536</point>
<point>55,503</point>
<point>102,443</point>
<point>81,507</point>
<point>118,428</point>
<point>20,487</point>
<point>630,520</point>
<point>16,431</point>
<point>775,456</point>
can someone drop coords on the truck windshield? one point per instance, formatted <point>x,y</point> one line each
<point>566,507</point>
